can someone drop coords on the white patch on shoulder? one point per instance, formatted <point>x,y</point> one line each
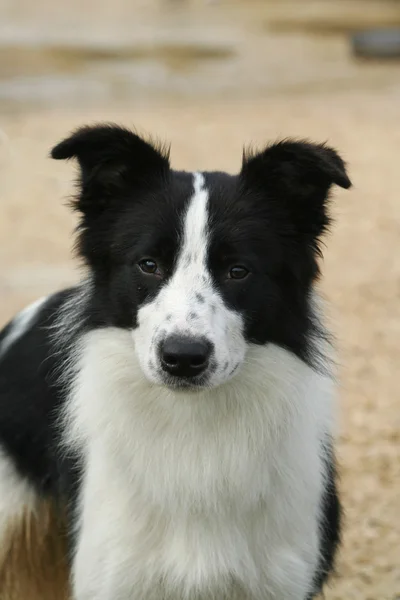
<point>189,305</point>
<point>21,324</point>
<point>207,494</point>
<point>17,498</point>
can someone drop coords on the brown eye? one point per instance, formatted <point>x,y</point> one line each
<point>238,272</point>
<point>147,265</point>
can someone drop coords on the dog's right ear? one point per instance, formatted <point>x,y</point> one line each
<point>110,159</point>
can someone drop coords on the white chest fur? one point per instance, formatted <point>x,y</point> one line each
<point>204,496</point>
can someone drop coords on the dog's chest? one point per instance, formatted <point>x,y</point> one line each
<point>221,553</point>
<point>195,522</point>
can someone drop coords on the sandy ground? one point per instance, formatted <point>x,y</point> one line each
<point>362,258</point>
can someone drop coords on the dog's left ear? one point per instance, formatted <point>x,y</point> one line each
<point>109,156</point>
<point>297,176</point>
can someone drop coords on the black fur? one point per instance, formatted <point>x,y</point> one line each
<point>331,520</point>
<point>30,400</point>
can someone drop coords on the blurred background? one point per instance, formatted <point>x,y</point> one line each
<point>210,77</point>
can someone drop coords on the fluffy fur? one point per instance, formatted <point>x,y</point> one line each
<point>179,403</point>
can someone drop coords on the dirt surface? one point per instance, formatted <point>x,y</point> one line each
<point>208,98</point>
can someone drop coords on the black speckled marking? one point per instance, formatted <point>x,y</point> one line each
<point>233,370</point>
<point>200,298</point>
<point>193,316</point>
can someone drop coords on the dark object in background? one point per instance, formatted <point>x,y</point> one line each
<point>377,43</point>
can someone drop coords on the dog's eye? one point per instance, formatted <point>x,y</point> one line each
<point>147,265</point>
<point>238,272</point>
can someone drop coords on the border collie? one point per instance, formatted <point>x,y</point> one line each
<point>179,401</point>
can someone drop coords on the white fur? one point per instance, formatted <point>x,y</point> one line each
<point>197,495</point>
<point>21,324</point>
<point>189,305</point>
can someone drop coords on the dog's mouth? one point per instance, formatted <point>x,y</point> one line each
<point>194,384</point>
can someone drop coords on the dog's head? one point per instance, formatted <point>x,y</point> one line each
<point>200,265</point>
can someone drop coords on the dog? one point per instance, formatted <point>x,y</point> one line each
<point>178,403</point>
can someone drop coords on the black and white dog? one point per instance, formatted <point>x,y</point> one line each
<point>179,401</point>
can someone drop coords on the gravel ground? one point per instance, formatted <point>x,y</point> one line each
<point>361,265</point>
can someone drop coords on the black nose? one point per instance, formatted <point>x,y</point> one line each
<point>184,356</point>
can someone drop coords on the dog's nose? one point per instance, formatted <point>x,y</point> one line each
<point>184,356</point>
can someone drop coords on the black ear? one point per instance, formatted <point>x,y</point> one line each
<point>296,176</point>
<point>110,156</point>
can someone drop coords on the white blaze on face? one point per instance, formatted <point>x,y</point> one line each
<point>194,250</point>
<point>189,304</point>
